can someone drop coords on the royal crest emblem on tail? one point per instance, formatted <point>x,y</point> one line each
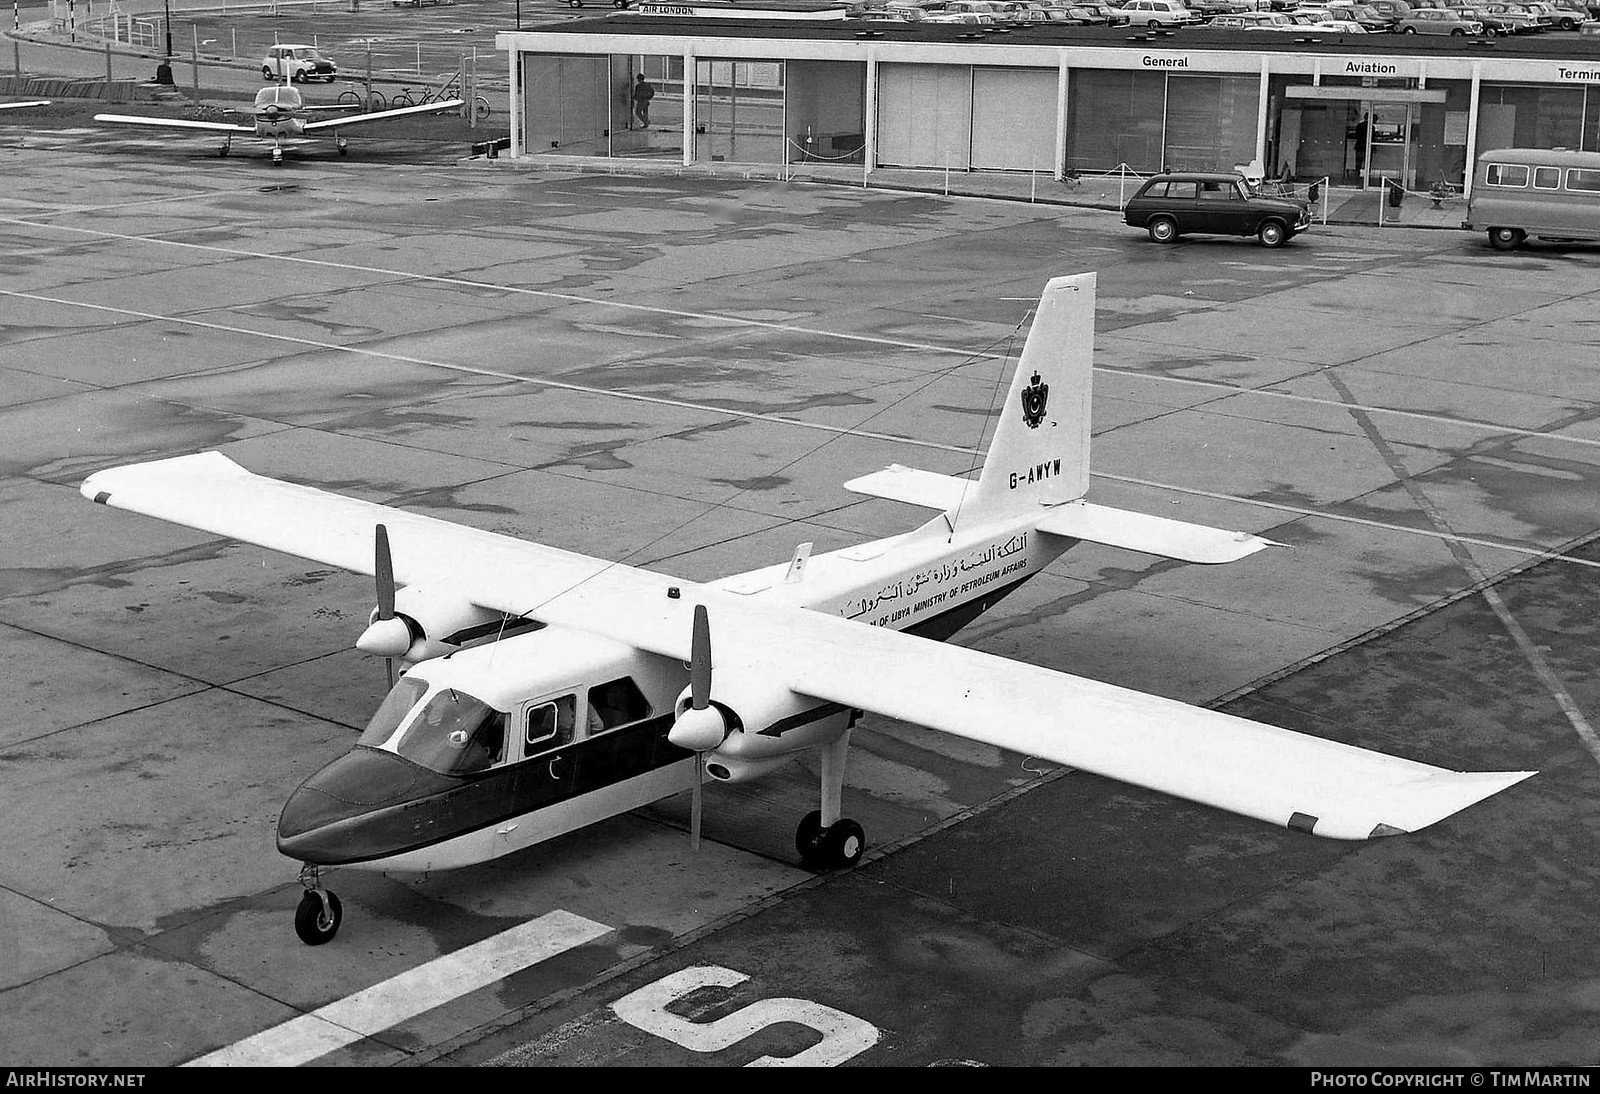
<point>1034,397</point>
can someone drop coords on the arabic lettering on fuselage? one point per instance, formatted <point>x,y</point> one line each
<point>940,573</point>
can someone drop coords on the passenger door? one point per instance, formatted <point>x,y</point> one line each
<point>547,771</point>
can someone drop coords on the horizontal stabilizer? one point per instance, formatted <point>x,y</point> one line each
<point>925,488</point>
<point>1152,535</point>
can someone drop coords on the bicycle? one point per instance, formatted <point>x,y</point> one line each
<point>1440,191</point>
<point>356,98</point>
<point>480,105</point>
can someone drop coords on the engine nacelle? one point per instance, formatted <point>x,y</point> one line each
<point>436,623</point>
<point>752,709</point>
<point>749,705</point>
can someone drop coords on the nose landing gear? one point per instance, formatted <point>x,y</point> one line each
<point>317,918</point>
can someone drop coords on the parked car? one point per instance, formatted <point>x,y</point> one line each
<point>1436,21</point>
<point>1393,10</point>
<point>1217,202</point>
<point>1561,18</point>
<point>1254,20</point>
<point>1158,13</point>
<point>299,62</point>
<point>1513,18</point>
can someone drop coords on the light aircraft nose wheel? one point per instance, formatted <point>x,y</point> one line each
<point>317,918</point>
<point>836,847</point>
<point>344,146</point>
<point>277,157</point>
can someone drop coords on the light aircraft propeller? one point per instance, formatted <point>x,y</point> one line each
<point>701,728</point>
<point>388,635</point>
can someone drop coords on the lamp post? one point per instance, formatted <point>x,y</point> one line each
<point>164,69</point>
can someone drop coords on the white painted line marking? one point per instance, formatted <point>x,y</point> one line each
<point>382,1006</point>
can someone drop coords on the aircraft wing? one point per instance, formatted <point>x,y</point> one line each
<point>1275,775</point>
<point>174,123</point>
<point>31,102</point>
<point>1284,778</point>
<point>384,115</point>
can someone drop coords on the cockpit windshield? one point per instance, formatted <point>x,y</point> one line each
<point>286,98</point>
<point>453,733</point>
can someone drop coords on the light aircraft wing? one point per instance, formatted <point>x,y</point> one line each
<point>1246,767</point>
<point>174,123</point>
<point>383,115</point>
<point>31,102</point>
<point>1281,777</point>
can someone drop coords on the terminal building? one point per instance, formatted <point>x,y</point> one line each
<point>1354,109</point>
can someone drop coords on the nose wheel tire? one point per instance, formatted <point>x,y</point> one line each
<point>837,847</point>
<point>317,922</point>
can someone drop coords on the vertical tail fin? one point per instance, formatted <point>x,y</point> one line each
<point>1040,452</point>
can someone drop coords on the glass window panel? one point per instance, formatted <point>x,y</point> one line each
<point>1506,174</point>
<point>1115,118</point>
<point>1547,178</point>
<point>1211,122</point>
<point>1579,178</point>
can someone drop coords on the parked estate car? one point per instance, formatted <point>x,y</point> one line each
<point>1218,202</point>
<point>1254,20</point>
<point>1512,18</point>
<point>300,62</point>
<point>1435,21</point>
<point>1157,13</point>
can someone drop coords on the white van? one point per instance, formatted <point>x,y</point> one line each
<point>1522,192</point>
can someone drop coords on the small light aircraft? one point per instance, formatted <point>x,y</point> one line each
<point>625,686</point>
<point>281,114</point>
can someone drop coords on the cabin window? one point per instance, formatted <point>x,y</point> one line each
<point>550,725</point>
<point>616,703</point>
<point>1507,174</point>
<point>1583,179</point>
<point>1547,178</point>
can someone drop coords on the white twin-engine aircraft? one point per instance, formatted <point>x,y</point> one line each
<point>280,114</point>
<point>624,685</point>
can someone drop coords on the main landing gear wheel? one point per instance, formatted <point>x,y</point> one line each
<point>317,918</point>
<point>344,147</point>
<point>836,847</point>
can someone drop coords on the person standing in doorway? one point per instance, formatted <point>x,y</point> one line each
<point>642,94</point>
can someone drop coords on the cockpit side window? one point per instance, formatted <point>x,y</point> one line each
<point>616,703</point>
<point>396,705</point>
<point>549,725</point>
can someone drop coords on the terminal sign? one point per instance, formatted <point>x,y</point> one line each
<point>1579,75</point>
<point>1165,60</point>
<point>1356,67</point>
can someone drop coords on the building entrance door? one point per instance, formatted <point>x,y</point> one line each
<point>1384,143</point>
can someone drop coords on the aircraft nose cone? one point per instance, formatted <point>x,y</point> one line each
<point>348,811</point>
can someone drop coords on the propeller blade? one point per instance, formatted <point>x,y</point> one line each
<point>700,660</point>
<point>694,804</point>
<point>388,668</point>
<point>383,567</point>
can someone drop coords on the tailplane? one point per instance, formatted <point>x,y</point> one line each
<point>1040,452</point>
<point>1038,462</point>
